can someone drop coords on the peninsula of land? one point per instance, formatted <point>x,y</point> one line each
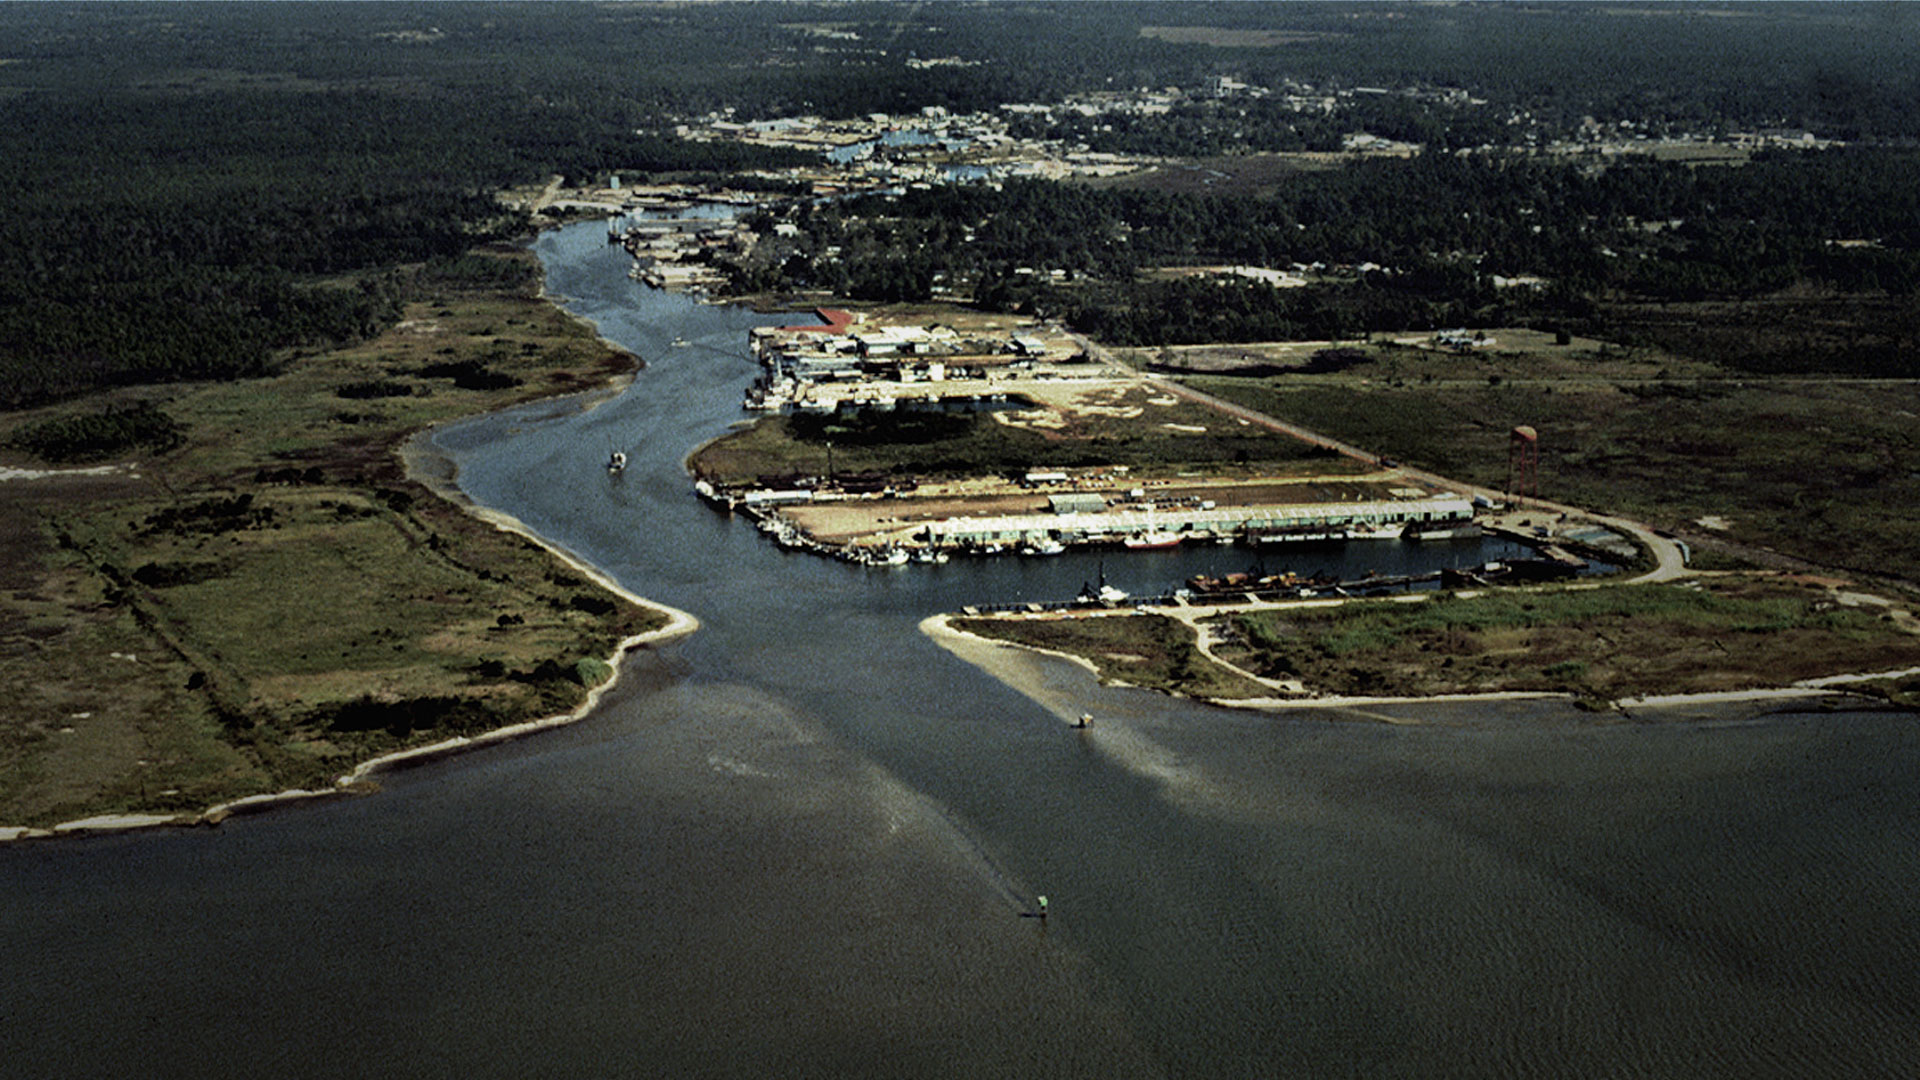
<point>292,595</point>
<point>1222,306</point>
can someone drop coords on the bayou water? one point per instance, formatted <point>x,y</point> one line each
<point>807,841</point>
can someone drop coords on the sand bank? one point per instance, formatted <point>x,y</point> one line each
<point>10,473</point>
<point>1003,661</point>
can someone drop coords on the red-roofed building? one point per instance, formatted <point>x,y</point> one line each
<point>836,322</point>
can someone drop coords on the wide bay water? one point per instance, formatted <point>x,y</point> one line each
<point>803,842</point>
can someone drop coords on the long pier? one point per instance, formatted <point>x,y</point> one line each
<point>1368,586</point>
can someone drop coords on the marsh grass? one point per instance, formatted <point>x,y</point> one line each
<point>1611,641</point>
<point>1809,467</point>
<point>1596,644</point>
<point>273,601</point>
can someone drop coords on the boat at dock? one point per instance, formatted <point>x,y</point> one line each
<point>1510,571</point>
<point>1442,530</point>
<point>1257,582</point>
<point>1369,530</point>
<point>1102,594</point>
<point>1269,537</point>
<point>1152,540</point>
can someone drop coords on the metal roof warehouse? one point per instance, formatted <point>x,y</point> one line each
<point>1305,520</point>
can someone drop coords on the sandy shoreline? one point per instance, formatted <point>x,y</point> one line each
<point>994,658</point>
<point>1000,659</point>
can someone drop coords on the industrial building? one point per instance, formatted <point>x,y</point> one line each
<point>1252,524</point>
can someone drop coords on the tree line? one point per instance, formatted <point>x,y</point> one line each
<point>193,190</point>
<point>1388,244</point>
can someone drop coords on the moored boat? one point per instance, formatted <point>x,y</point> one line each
<point>1443,530</point>
<point>1373,530</point>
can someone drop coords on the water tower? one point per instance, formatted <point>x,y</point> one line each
<point>1523,461</point>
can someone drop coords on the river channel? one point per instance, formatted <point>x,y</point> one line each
<point>808,841</point>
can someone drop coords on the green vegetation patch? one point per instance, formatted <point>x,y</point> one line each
<point>97,435</point>
<point>272,602</point>
<point>1817,469</point>
<point>1606,642</point>
<point>1902,691</point>
<point>99,716</point>
<point>1150,651</point>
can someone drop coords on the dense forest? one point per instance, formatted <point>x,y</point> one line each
<point>194,190</point>
<point>1392,245</point>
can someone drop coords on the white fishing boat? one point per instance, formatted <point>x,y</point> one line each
<point>1443,530</point>
<point>1105,593</point>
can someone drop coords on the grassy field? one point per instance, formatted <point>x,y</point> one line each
<point>272,601</point>
<point>1735,632</point>
<point>1150,651</point>
<point>1816,468</point>
<point>1256,175</point>
<point>1604,643</point>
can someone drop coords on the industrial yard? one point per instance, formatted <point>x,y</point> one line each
<point>891,442</point>
<point>1056,510</point>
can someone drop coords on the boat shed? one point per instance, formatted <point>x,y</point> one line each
<point>1268,523</point>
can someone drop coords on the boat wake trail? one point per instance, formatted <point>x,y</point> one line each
<point>1017,897</point>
